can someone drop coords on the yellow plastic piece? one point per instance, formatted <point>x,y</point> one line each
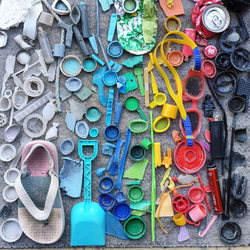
<point>159,100</point>
<point>166,210</point>
<point>146,87</point>
<point>157,153</point>
<point>179,219</point>
<point>171,184</point>
<point>166,175</point>
<point>170,3</point>
<point>176,97</point>
<point>169,110</point>
<point>167,159</point>
<point>172,23</point>
<point>153,83</point>
<point>151,58</point>
<point>161,124</point>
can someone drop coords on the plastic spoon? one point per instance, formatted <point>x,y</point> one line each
<point>133,104</point>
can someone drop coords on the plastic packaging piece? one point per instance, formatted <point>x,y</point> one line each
<point>97,80</point>
<point>105,4</point>
<point>135,61</point>
<point>109,107</point>
<point>122,211</point>
<point>9,194</point>
<point>77,109</point>
<point>112,27</point>
<point>94,132</point>
<point>210,51</point>
<point>19,40</point>
<point>98,59</point>
<point>165,208</point>
<point>46,19</point>
<point>33,86</point>
<point>73,84</point>
<point>115,165</point>
<point>110,78</point>
<point>23,57</point>
<point>108,148</point>
<point>83,93</point>
<point>208,69</point>
<point>238,208</point>
<point>10,176</point>
<point>45,46</point>
<point>230,232</point>
<point>3,120</point>
<point>135,193</point>
<point>82,129</point>
<point>59,50</point>
<point>239,186</point>
<point>131,82</point>
<point>196,194</point>
<point>183,234</point>
<point>10,230</point>
<point>176,136</point>
<point>106,201</point>
<point>75,15</point>
<point>137,170</point>
<point>157,154</point>
<point>120,197</point>
<point>123,160</point>
<point>52,132</point>
<point>135,227</point>
<point>133,104</point>
<point>130,6</point>
<point>189,159</point>
<point>138,126</point>
<point>175,57</point>
<point>70,66</point>
<point>137,152</point>
<point>67,146</point>
<point>208,106</point>
<point>115,49</point>
<point>70,120</point>
<point>112,133</point>
<point>84,18</point>
<point>89,64</point>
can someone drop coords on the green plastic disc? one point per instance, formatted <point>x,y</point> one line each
<point>131,103</point>
<point>135,227</point>
<point>135,193</point>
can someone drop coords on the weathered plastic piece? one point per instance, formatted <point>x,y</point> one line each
<point>67,146</point>
<point>77,109</point>
<point>146,143</point>
<point>98,59</point>
<point>75,15</point>
<point>3,120</point>
<point>115,165</point>
<point>80,41</point>
<point>46,19</point>
<point>33,86</point>
<point>64,94</point>
<point>138,126</point>
<point>84,17</point>
<point>52,132</point>
<point>120,197</point>
<point>19,40</point>
<point>239,186</point>
<point>131,82</point>
<point>136,61</point>
<point>137,170</point>
<point>109,107</point>
<point>112,27</point>
<point>83,93</point>
<point>61,7</point>
<point>116,67</point>
<point>82,129</point>
<point>70,122</point>
<point>138,71</point>
<point>3,39</point>
<point>69,32</point>
<point>7,152</point>
<point>115,49</point>
<point>105,4</point>
<point>118,109</point>
<point>9,70</point>
<point>93,43</point>
<point>183,234</point>
<point>71,176</point>
<point>108,148</point>
<point>132,183</point>
<point>23,57</point>
<point>59,50</point>
<point>73,84</point>
<point>142,206</point>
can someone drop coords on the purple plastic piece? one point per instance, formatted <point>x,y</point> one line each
<point>183,234</point>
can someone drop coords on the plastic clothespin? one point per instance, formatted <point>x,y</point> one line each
<point>109,107</point>
<point>112,26</point>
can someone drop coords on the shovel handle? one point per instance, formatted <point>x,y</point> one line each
<point>87,180</point>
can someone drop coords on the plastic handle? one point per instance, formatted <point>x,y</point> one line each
<point>140,82</point>
<point>112,26</point>
<point>118,110</point>
<point>188,130</point>
<point>80,41</point>
<point>153,104</point>
<point>111,159</point>
<point>87,180</point>
<point>143,116</point>
<point>123,160</point>
<point>153,83</point>
<point>110,107</point>
<point>118,149</point>
<point>84,18</point>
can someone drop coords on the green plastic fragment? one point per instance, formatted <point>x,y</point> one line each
<point>137,212</point>
<point>143,205</point>
<point>132,183</point>
<point>138,126</point>
<point>146,143</point>
<point>149,21</point>
<point>131,82</point>
<point>137,170</point>
<point>83,93</point>
<point>133,61</point>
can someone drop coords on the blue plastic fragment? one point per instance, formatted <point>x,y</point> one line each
<point>93,43</point>
<point>122,211</point>
<point>70,121</point>
<point>71,176</point>
<point>73,84</point>
<point>118,109</point>
<point>116,67</point>
<point>114,167</point>
<point>110,107</point>
<point>105,4</point>
<point>108,148</point>
<point>120,197</point>
<point>105,185</point>
<point>114,227</point>
<point>111,159</point>
<point>107,201</point>
<point>67,146</point>
<point>112,133</point>
<point>112,27</point>
<point>121,84</point>
<point>100,171</point>
<point>115,49</point>
<point>98,59</point>
<point>197,59</point>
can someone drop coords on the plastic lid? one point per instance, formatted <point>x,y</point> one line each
<point>71,66</point>
<point>222,61</point>
<point>112,133</point>
<point>10,176</point>
<point>210,51</point>
<point>73,84</point>
<point>122,211</point>
<point>230,232</point>
<point>132,103</point>
<point>237,104</point>
<point>7,152</point>
<point>94,132</point>
<point>106,185</point>
<point>67,146</point>
<point>82,129</point>
<point>115,49</point>
<point>107,201</point>
<point>189,160</point>
<point>208,69</point>
<point>238,208</point>
<point>110,78</point>
<point>175,57</point>
<point>135,227</point>
<point>135,193</point>
<point>9,194</point>
<point>89,64</point>
<point>196,194</point>
<point>10,230</point>
<point>93,114</point>
<point>137,152</point>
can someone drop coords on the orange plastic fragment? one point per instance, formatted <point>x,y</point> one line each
<point>176,137</point>
<point>175,10</point>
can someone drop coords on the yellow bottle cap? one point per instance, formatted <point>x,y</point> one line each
<point>179,219</point>
<point>169,110</point>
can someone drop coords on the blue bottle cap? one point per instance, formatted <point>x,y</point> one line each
<point>73,84</point>
<point>110,78</point>
<point>93,114</point>
<point>122,211</point>
<point>120,197</point>
<point>94,132</point>
<point>115,49</point>
<point>106,201</point>
<point>89,64</point>
<point>112,133</point>
<point>82,129</point>
<point>67,146</point>
<point>106,185</point>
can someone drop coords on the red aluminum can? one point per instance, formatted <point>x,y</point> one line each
<point>215,189</point>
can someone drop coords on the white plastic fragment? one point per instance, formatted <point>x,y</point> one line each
<point>3,120</point>
<point>52,72</point>
<point>23,57</point>
<point>77,109</point>
<point>19,40</point>
<point>46,18</point>
<point>61,7</point>
<point>3,39</point>
<point>49,111</point>
<point>52,132</point>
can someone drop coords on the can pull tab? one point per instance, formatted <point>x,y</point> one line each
<point>217,20</point>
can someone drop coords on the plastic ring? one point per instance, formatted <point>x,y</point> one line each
<point>171,20</point>
<point>179,219</point>
<point>33,86</point>
<point>19,99</point>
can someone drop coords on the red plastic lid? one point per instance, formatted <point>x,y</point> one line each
<point>180,203</point>
<point>210,51</point>
<point>188,159</point>
<point>208,69</point>
<point>196,194</point>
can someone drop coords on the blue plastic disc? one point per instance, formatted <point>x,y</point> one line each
<point>122,211</point>
<point>73,84</point>
<point>89,64</point>
<point>106,185</point>
<point>93,114</point>
<point>107,201</point>
<point>112,133</point>
<point>94,132</point>
<point>110,78</point>
<point>67,146</point>
<point>115,49</point>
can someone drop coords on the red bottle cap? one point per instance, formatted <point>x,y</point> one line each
<point>210,51</point>
<point>208,69</point>
<point>196,194</point>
